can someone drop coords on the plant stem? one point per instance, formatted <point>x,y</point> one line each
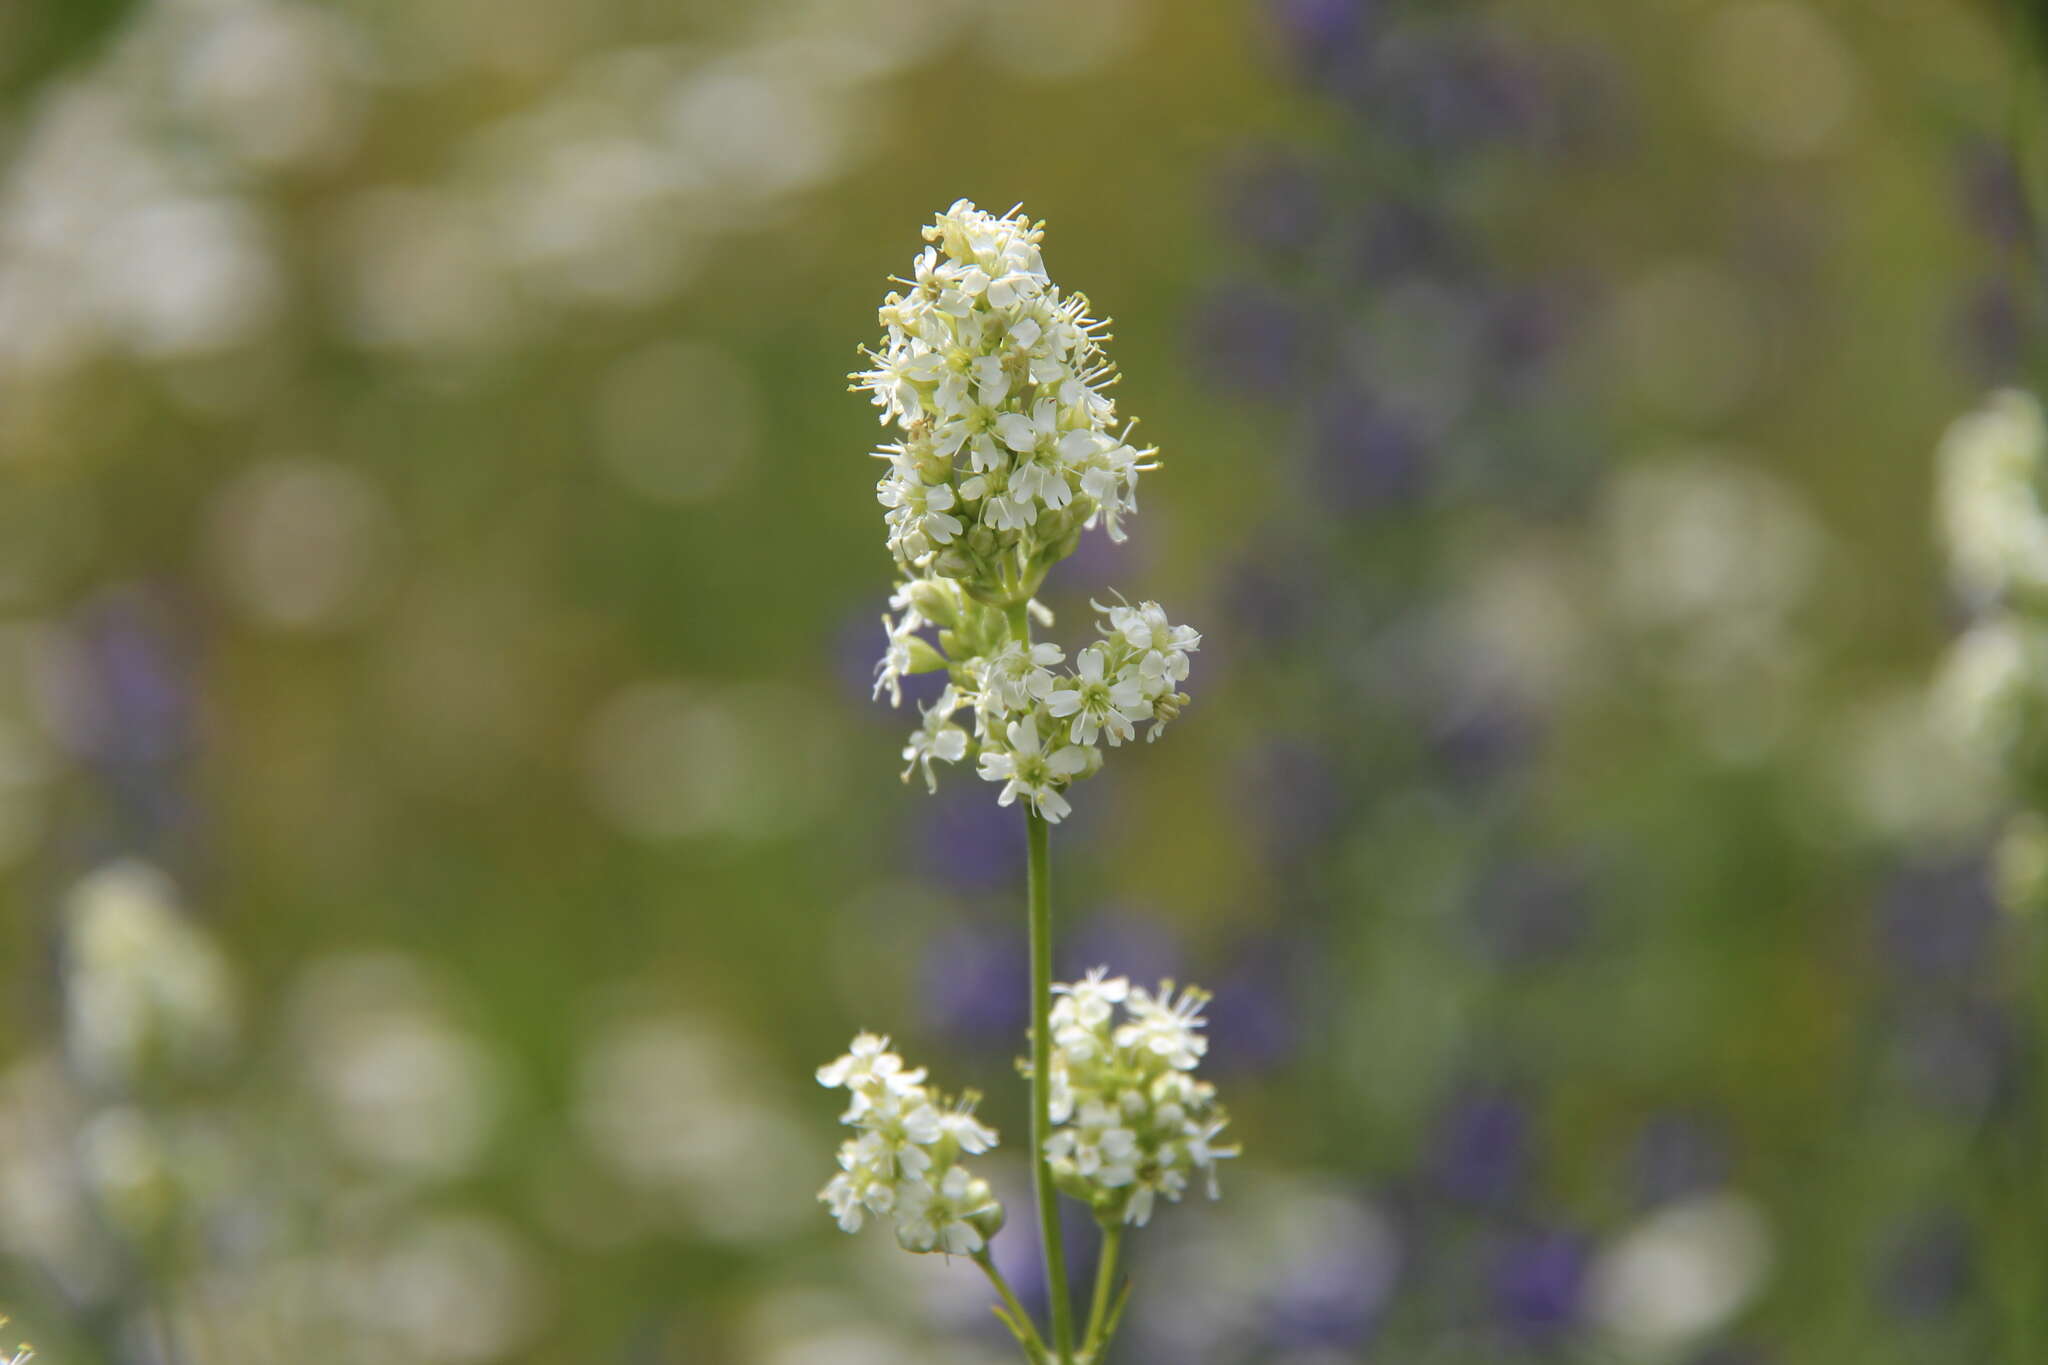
<point>1041,1092</point>
<point>1105,1279</point>
<point>1017,1313</point>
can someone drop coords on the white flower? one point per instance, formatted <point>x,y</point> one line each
<point>919,515</point>
<point>940,1218</point>
<point>959,1124</point>
<point>1166,1027</point>
<point>1098,703</point>
<point>1036,774</point>
<point>1164,647</point>
<point>1090,1001</point>
<point>1203,1152</point>
<point>896,658</point>
<point>1018,675</point>
<point>873,1074</point>
<point>937,738</point>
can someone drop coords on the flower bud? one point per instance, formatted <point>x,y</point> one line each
<point>2020,865</point>
<point>988,1217</point>
<point>935,600</point>
<point>923,658</point>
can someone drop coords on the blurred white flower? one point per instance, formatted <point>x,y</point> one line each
<point>301,543</point>
<point>669,760</point>
<point>46,1215</point>
<point>144,990</point>
<point>1990,688</point>
<point>400,1084</point>
<point>674,1107</point>
<point>1988,469</point>
<point>460,1288</point>
<point>1778,76</point>
<point>679,422</point>
<point>1680,1273</point>
<point>275,84</point>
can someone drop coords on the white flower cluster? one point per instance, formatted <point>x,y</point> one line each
<point>1991,696</point>
<point>1037,730</point>
<point>1990,467</point>
<point>995,380</point>
<point>1009,451</point>
<point>1131,1121</point>
<point>906,1160</point>
<point>147,996</point>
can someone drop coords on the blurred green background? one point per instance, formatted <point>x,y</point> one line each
<point>441,583</point>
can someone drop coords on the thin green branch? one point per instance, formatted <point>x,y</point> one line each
<point>1012,1312</point>
<point>1041,1091</point>
<point>1099,1320</point>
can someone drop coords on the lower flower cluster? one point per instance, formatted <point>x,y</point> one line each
<point>1131,1121</point>
<point>905,1163</point>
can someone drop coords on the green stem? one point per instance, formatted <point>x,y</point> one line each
<point>1105,1279</point>
<point>1041,1092</point>
<point>1022,1319</point>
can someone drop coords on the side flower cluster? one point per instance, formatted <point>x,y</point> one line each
<point>1991,696</point>
<point>1036,726</point>
<point>905,1161</point>
<point>1131,1121</point>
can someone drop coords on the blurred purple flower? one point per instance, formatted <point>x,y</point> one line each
<point>1274,201</point>
<point>1927,1267</point>
<point>972,986</point>
<point>134,703</point>
<point>1993,330</point>
<point>1295,799</point>
<point>1539,1282</point>
<point>1528,325</point>
<point>1452,91</point>
<point>1328,40</point>
<point>965,840</point>
<point>1271,596</point>
<point>1251,338</point>
<point>1677,1156</point>
<point>1738,1353</point>
<point>1333,1299</point>
<point>1994,192</point>
<point>1481,1150</point>
<point>128,709</point>
<point>1531,911</point>
<point>1955,1058</point>
<point>1937,920</point>
<point>1365,456</point>
<point>1130,942</point>
<point>1393,239</point>
<point>1253,1018</point>
<point>1480,740</point>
